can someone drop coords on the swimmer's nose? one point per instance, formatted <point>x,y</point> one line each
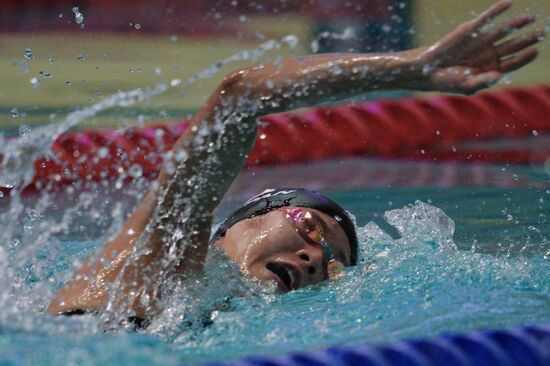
<point>311,260</point>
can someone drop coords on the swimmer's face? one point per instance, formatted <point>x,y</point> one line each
<point>273,248</point>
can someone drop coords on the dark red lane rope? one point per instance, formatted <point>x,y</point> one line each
<point>411,128</point>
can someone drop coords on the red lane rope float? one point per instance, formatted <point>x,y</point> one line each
<point>410,128</point>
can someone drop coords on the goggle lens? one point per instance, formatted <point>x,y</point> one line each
<point>334,269</point>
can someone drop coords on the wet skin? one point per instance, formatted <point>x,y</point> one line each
<point>472,57</point>
<point>272,248</point>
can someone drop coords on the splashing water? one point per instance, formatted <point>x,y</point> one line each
<point>28,54</point>
<point>39,231</point>
<point>19,154</point>
<point>346,34</point>
<point>78,17</point>
<point>416,284</point>
<point>411,220</point>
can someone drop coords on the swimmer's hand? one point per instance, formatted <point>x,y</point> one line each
<point>472,58</point>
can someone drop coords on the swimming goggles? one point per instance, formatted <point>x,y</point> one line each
<point>313,230</point>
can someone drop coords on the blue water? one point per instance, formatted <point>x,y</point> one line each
<point>415,278</point>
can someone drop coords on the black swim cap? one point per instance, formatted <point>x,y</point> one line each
<point>280,197</point>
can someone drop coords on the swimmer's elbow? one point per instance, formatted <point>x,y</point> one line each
<point>243,83</point>
<point>233,83</point>
<point>55,307</point>
<point>76,296</point>
<point>245,91</point>
<point>58,306</point>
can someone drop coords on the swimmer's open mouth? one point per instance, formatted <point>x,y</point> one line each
<point>282,272</point>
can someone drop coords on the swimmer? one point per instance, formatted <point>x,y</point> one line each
<point>291,237</point>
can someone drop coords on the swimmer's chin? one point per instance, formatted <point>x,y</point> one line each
<point>262,286</point>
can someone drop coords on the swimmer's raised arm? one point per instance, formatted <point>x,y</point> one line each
<point>464,61</point>
<point>172,225</point>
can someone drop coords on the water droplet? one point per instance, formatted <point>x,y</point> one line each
<point>78,17</point>
<point>535,132</point>
<point>159,133</point>
<point>50,60</point>
<point>336,70</point>
<point>14,113</point>
<point>81,57</point>
<point>135,171</point>
<point>263,136</point>
<point>1,194</point>
<point>170,167</point>
<point>427,69</point>
<point>137,26</point>
<point>35,82</point>
<point>291,40</point>
<point>45,74</point>
<point>103,152</point>
<point>28,54</point>
<point>182,155</point>
<point>24,129</point>
<point>68,82</point>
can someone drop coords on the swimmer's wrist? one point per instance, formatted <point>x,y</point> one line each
<point>415,75</point>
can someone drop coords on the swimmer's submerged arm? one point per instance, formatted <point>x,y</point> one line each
<point>174,220</point>
<point>169,232</point>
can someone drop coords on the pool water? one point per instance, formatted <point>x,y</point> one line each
<point>433,259</point>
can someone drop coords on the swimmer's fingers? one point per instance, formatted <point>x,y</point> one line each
<point>489,14</point>
<point>519,60</point>
<point>478,82</point>
<point>509,27</point>
<point>517,44</point>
